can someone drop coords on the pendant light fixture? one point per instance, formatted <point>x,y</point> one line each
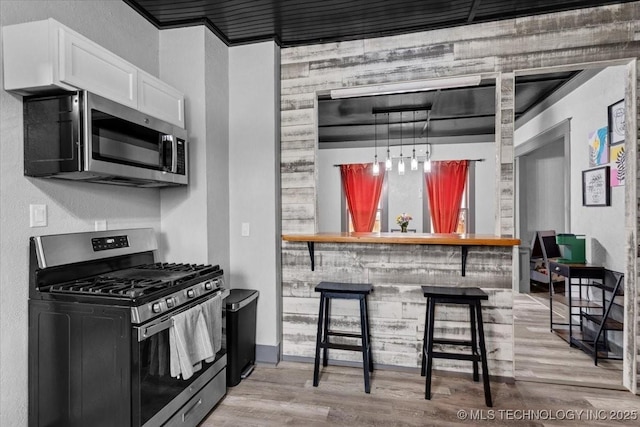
<point>376,165</point>
<point>414,161</point>
<point>401,162</point>
<point>427,161</point>
<point>387,164</point>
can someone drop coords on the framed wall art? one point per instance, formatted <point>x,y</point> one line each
<point>595,187</point>
<point>616,122</point>
<point>598,147</point>
<point>618,164</point>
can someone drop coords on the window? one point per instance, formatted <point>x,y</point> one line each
<point>465,221</point>
<point>377,226</point>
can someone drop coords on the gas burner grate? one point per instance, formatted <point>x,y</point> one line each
<point>116,286</point>
<point>197,268</point>
<point>132,283</point>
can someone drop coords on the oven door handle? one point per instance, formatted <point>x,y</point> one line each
<point>163,323</point>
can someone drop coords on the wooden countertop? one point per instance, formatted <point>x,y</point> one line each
<point>405,238</point>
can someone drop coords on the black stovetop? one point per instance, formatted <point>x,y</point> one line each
<point>145,281</point>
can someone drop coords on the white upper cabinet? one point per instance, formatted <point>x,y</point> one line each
<point>86,65</point>
<point>160,100</point>
<point>45,55</point>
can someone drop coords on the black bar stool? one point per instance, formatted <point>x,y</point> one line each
<point>455,295</point>
<point>356,291</point>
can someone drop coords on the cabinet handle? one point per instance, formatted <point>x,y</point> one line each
<point>188,411</point>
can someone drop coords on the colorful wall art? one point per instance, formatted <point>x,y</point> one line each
<point>618,164</point>
<point>598,147</point>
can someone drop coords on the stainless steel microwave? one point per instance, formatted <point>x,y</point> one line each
<point>84,137</point>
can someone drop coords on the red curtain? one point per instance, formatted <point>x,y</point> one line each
<point>363,192</point>
<point>445,184</point>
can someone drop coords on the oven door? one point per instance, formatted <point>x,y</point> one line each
<point>158,398</point>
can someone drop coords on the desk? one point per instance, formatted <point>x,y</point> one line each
<point>572,331</point>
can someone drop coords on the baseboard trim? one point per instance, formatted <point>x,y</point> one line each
<point>268,354</point>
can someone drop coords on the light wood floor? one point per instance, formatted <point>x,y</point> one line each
<point>543,356</point>
<point>284,395</point>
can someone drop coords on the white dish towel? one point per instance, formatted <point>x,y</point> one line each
<point>212,311</point>
<point>189,342</point>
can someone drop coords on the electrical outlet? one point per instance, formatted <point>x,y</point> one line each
<point>100,225</point>
<point>245,229</point>
<point>37,215</point>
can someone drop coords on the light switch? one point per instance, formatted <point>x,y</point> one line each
<point>37,215</point>
<point>245,229</point>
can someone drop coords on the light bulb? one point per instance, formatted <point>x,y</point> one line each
<point>414,162</point>
<point>387,164</point>
<point>427,165</point>
<point>376,167</point>
<point>401,166</point>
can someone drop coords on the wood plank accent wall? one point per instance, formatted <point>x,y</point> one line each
<point>397,306</point>
<point>505,91</point>
<point>585,36</point>
<point>632,219</point>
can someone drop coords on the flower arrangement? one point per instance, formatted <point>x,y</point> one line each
<point>403,221</point>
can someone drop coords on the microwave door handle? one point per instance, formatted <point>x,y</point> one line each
<point>174,154</point>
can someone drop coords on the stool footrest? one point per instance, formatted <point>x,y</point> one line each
<point>453,342</point>
<point>341,346</point>
<point>456,356</point>
<point>343,334</point>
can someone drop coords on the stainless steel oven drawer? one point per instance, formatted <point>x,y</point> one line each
<point>192,413</point>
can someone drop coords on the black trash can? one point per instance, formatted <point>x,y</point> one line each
<point>241,307</point>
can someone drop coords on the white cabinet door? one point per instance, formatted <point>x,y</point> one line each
<point>46,55</point>
<point>160,100</point>
<point>30,56</point>
<point>86,65</point>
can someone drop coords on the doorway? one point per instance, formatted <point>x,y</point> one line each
<point>551,150</point>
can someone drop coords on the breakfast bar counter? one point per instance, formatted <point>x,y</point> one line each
<point>397,265</point>
<point>406,238</point>
<point>462,240</point>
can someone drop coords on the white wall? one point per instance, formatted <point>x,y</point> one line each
<point>329,186</point>
<point>587,108</point>
<point>254,159</point>
<point>72,206</point>
<point>195,218</point>
<point>542,209</point>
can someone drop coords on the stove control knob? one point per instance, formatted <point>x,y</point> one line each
<point>155,307</point>
<point>170,302</point>
<point>191,293</point>
<point>208,286</point>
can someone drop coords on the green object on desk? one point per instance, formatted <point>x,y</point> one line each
<point>572,248</point>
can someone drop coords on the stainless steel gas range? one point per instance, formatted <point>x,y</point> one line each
<point>106,323</point>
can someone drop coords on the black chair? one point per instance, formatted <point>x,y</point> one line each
<point>355,291</point>
<point>464,296</point>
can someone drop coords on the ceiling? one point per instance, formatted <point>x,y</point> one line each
<point>461,114</point>
<point>299,22</point>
